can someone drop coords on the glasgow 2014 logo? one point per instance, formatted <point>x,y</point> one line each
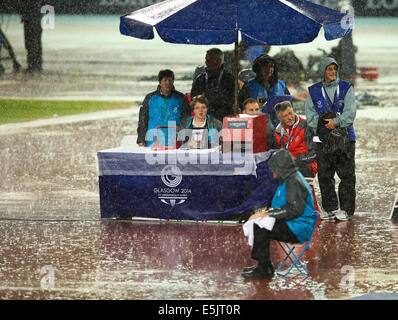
<point>171,176</point>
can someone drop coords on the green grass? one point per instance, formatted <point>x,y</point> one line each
<point>24,110</point>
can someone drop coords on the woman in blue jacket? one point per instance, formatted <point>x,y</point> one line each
<point>266,83</point>
<point>293,209</point>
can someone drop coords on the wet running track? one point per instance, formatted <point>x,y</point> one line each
<point>53,244</point>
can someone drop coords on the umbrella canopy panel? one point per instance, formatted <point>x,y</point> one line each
<point>205,22</point>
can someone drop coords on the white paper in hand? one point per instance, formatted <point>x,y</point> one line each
<point>265,223</point>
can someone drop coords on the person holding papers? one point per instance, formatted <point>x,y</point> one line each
<point>292,212</point>
<point>201,130</point>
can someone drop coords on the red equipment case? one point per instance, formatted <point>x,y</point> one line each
<point>244,134</point>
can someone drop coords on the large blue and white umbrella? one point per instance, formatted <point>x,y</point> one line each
<point>206,22</point>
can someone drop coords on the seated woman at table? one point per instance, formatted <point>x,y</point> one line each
<point>251,107</point>
<point>201,131</point>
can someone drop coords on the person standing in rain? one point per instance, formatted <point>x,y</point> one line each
<point>30,11</point>
<point>162,107</point>
<point>217,84</point>
<point>31,18</point>
<point>330,109</point>
<point>1,44</point>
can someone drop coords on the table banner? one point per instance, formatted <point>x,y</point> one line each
<point>173,192</point>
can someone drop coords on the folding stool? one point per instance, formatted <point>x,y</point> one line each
<point>288,250</point>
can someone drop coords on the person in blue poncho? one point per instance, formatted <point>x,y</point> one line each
<point>293,209</point>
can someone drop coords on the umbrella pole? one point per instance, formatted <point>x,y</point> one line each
<point>236,71</point>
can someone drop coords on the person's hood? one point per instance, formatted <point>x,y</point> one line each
<point>282,163</point>
<point>258,63</point>
<point>323,65</point>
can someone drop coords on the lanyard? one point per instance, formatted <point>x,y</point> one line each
<point>290,138</point>
<point>218,81</point>
<point>197,132</point>
<point>327,99</point>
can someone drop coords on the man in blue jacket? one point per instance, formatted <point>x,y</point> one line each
<point>293,209</point>
<point>163,107</point>
<point>330,110</point>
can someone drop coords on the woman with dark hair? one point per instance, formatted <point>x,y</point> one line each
<point>266,83</point>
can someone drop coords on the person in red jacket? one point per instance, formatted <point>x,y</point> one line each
<point>293,134</point>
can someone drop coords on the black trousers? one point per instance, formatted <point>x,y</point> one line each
<point>263,237</point>
<point>33,45</point>
<point>342,163</point>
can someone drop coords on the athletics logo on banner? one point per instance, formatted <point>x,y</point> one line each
<point>171,176</point>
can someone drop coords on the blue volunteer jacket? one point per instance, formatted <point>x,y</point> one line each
<point>158,110</point>
<point>303,225</point>
<point>258,91</point>
<point>323,103</point>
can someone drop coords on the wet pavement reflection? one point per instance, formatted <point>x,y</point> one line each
<point>53,244</point>
<point>136,260</point>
